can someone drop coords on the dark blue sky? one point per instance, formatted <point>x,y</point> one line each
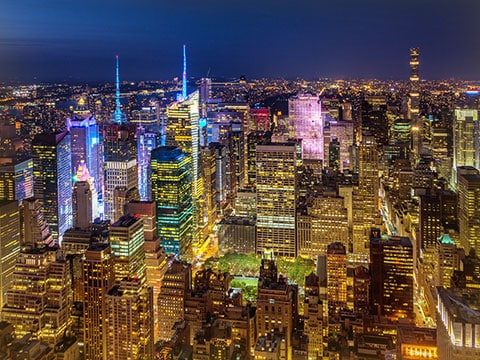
<point>76,40</point>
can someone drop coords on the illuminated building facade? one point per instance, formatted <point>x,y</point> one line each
<point>172,191</point>
<point>259,119</point>
<point>87,151</point>
<point>313,314</point>
<point>35,230</point>
<point>414,102</point>
<point>82,205</point>
<point>325,222</point>
<point>276,304</point>
<point>276,198</point>
<point>121,171</point>
<point>171,300</point>
<point>466,139</point>
<point>306,112</point>
<point>9,244</point>
<point>52,170</point>
<point>38,300</point>
<point>98,277</point>
<point>127,242</point>
<point>129,321</point>
<point>391,268</point>
<point>468,210</point>
<point>147,141</point>
<point>458,325</point>
<point>336,276</point>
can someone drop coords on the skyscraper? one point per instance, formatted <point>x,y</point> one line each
<point>171,300</point>
<point>172,191</point>
<point>466,140</point>
<point>82,205</point>
<point>414,102</point>
<point>120,151</point>
<point>468,210</point>
<point>118,115</point>
<point>87,152</point>
<point>306,113</point>
<point>35,230</point>
<point>391,268</point>
<point>52,164</point>
<point>129,321</point>
<point>9,244</point>
<point>98,277</point>
<point>39,297</point>
<point>127,242</point>
<point>276,178</point>
<point>336,276</point>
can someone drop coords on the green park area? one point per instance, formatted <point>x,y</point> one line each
<point>248,265</point>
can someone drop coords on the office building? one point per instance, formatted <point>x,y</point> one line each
<point>468,185</point>
<point>172,190</point>
<point>276,179</point>
<point>9,244</point>
<point>52,170</point>
<point>34,228</point>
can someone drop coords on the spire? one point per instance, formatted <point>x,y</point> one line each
<point>118,116</point>
<point>184,75</point>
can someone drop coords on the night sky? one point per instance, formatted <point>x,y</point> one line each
<point>56,40</point>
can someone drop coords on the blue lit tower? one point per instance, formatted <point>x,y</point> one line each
<point>172,192</point>
<point>184,74</point>
<point>118,116</point>
<point>52,171</point>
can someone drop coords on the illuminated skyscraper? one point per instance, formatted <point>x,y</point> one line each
<point>156,261</point>
<point>336,276</point>
<point>7,182</point>
<point>87,151</point>
<point>391,268</point>
<point>98,278</point>
<point>183,131</point>
<point>172,191</point>
<point>118,115</point>
<point>147,141</point>
<point>127,241</point>
<point>414,102</point>
<point>468,209</point>
<point>184,74</point>
<point>313,314</point>
<point>171,301</point>
<point>121,172</point>
<point>306,113</point>
<point>129,321</point>
<point>39,297</point>
<point>9,243</point>
<point>276,179</point>
<point>52,169</point>
<point>365,200</point>
<point>466,140</point>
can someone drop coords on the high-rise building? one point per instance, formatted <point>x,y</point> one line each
<point>129,321</point>
<point>172,191</point>
<point>98,277</point>
<point>9,244</point>
<point>391,268</point>
<point>259,119</point>
<point>87,151</point>
<point>52,170</point>
<point>147,141</point>
<point>313,315</point>
<point>276,179</point>
<point>7,182</point>
<point>414,102</point>
<point>365,199</point>
<point>171,300</point>
<point>336,276</point>
<point>325,222</point>
<point>276,304</point>
<point>121,172</point>
<point>183,131</point>
<point>156,260</point>
<point>466,139</point>
<point>458,325</point>
<point>39,298</point>
<point>35,230</point>
<point>468,185</point>
<point>306,112</point>
<point>82,205</point>
<point>127,242</point>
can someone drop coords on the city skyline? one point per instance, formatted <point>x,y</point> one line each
<point>50,42</point>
